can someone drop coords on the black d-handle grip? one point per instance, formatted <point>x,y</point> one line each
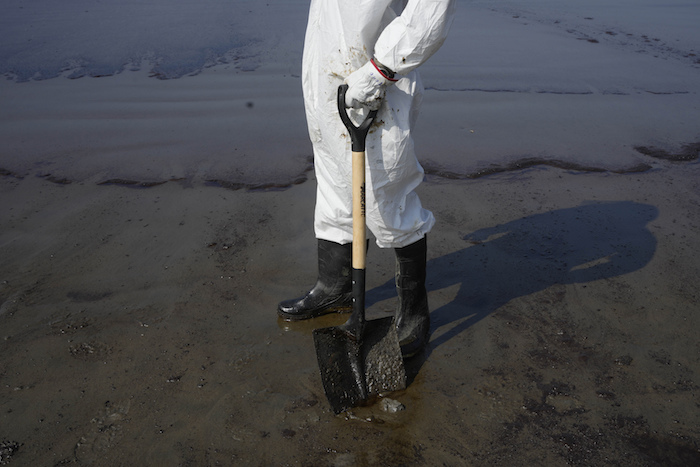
<point>358,134</point>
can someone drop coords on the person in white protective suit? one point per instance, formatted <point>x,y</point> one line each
<point>374,46</point>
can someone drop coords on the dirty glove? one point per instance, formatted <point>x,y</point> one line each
<point>366,86</point>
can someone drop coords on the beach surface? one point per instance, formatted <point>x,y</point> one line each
<point>154,211</point>
<point>140,323</point>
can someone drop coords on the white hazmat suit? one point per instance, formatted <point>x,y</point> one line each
<point>342,36</point>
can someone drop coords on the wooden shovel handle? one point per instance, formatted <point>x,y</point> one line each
<point>358,136</point>
<point>359,232</point>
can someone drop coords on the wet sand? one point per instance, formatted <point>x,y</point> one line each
<point>139,324</point>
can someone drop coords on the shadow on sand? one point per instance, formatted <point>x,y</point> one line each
<point>576,245</point>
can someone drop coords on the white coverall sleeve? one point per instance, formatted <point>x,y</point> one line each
<point>415,35</point>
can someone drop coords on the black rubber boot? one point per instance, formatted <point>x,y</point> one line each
<point>333,290</point>
<point>412,314</point>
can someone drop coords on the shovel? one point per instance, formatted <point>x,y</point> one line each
<point>360,359</point>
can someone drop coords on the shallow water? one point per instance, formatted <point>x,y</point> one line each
<point>582,85</point>
<point>43,39</point>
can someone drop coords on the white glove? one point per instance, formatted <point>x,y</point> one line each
<point>367,86</point>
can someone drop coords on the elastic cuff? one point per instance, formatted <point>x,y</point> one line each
<point>384,71</point>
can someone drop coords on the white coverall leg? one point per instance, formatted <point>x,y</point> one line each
<point>345,39</point>
<point>341,37</point>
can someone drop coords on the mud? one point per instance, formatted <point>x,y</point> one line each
<point>141,324</point>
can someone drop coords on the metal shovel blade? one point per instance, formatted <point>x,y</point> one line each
<point>354,371</point>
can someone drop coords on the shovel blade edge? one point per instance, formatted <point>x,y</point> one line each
<point>339,361</point>
<point>352,371</point>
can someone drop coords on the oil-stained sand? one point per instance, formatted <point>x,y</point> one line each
<point>139,325</point>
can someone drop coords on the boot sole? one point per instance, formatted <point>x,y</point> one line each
<point>314,314</point>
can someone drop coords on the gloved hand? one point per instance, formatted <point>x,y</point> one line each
<point>367,86</point>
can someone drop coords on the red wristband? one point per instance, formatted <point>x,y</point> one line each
<point>386,73</point>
